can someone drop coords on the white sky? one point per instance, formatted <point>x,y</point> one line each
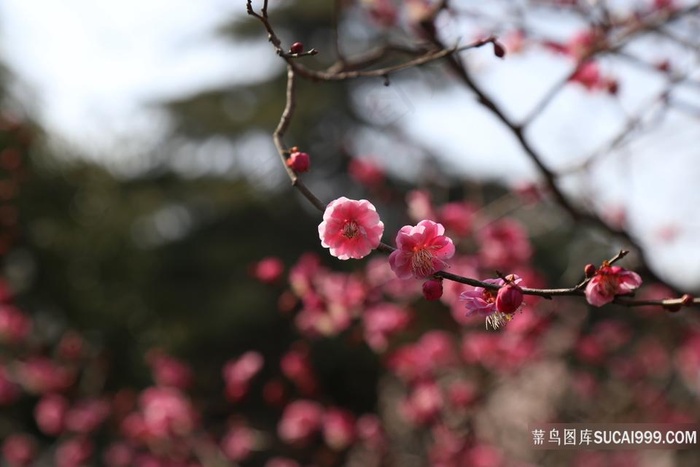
<point>94,65</point>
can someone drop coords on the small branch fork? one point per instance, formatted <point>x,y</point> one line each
<point>346,69</point>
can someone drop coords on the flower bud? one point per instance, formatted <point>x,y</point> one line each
<point>590,270</point>
<point>498,50</point>
<point>299,162</point>
<point>687,299</point>
<point>296,48</point>
<point>509,298</point>
<point>432,289</point>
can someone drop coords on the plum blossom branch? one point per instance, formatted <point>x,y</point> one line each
<point>336,73</point>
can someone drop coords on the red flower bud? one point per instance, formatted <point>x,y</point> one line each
<point>590,270</point>
<point>296,48</point>
<point>509,298</point>
<point>498,50</point>
<point>687,300</point>
<point>299,162</point>
<point>432,289</point>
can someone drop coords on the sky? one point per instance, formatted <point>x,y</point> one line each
<point>93,69</point>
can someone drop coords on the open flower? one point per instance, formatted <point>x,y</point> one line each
<point>486,302</point>
<point>610,281</point>
<point>350,228</point>
<point>421,250</point>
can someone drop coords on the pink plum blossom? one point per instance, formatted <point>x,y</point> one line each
<point>118,454</point>
<point>423,404</point>
<point>73,452</point>
<point>19,449</point>
<point>50,414</point>
<point>9,391</point>
<point>350,228</point>
<point>268,270</point>
<point>462,393</point>
<point>169,371</point>
<point>420,206</point>
<point>432,352</point>
<point>381,322</point>
<point>366,172</point>
<point>166,412</point>
<point>296,365</point>
<point>238,443</point>
<point>369,430</point>
<point>40,375</point>
<point>504,244</point>
<point>300,421</point>
<point>87,415</point>
<point>421,250</point>
<point>338,428</point>
<point>609,282</point>
<point>238,372</point>
<point>14,325</point>
<point>281,462</point>
<point>481,301</point>
<point>457,217</point>
<point>383,12</point>
<point>484,302</point>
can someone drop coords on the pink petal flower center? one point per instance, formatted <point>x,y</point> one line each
<point>422,261</point>
<point>609,283</point>
<point>350,229</point>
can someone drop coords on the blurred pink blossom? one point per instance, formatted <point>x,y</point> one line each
<point>423,403</point>
<point>338,428</point>
<point>420,206</point>
<point>383,12</point>
<point>369,429</point>
<point>71,346</point>
<point>9,391</point>
<point>366,172</point>
<point>457,217</point>
<point>19,450</point>
<point>40,375</point>
<point>14,325</point>
<point>73,452</point>
<point>169,371</point>
<point>381,322</point>
<point>296,365</point>
<point>462,393</point>
<point>50,414</point>
<point>300,420</point>
<point>238,372</point>
<point>281,462</point>
<point>504,244</point>
<point>166,412</point>
<point>238,443</point>
<point>118,454</point>
<point>86,415</point>
<point>268,270</point>
<point>432,352</point>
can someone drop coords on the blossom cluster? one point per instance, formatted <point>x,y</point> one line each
<point>352,229</point>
